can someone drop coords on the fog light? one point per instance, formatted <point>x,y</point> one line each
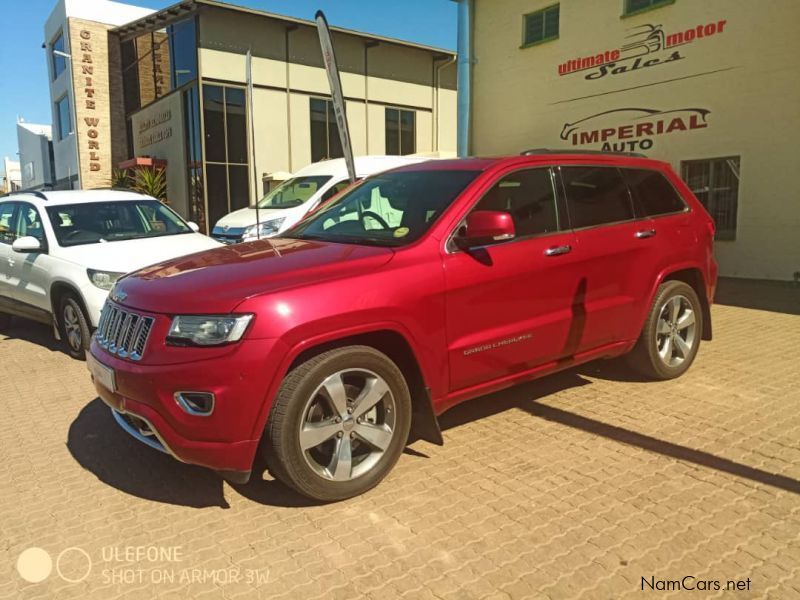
<point>200,404</point>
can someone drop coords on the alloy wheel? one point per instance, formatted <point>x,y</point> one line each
<point>348,424</point>
<point>72,328</point>
<point>676,330</point>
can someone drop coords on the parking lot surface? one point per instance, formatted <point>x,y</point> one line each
<point>589,484</point>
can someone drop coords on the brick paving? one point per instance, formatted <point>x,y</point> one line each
<point>576,486</point>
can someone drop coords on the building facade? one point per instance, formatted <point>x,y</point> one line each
<point>169,88</point>
<point>183,89</point>
<point>710,87</point>
<point>78,60</point>
<point>37,166</point>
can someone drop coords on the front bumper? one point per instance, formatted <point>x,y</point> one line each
<point>144,405</point>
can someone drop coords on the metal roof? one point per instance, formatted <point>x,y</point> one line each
<point>179,9</point>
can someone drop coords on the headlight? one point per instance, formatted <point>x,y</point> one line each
<point>194,330</point>
<point>105,280</point>
<point>265,229</point>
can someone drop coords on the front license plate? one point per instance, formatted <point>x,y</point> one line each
<point>102,374</point>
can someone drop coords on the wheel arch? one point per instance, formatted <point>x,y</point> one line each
<point>58,289</point>
<point>693,277</point>
<point>396,346</point>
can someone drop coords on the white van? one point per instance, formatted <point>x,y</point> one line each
<point>287,204</point>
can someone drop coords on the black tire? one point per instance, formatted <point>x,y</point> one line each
<point>5,321</point>
<point>651,356</point>
<point>285,458</point>
<point>74,327</point>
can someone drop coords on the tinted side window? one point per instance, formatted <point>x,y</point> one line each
<point>8,222</point>
<point>528,196</point>
<point>334,189</point>
<point>30,223</point>
<point>596,195</point>
<point>653,192</point>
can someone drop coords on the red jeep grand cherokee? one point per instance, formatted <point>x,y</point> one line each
<point>416,289</point>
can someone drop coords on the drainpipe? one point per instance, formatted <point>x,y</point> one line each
<point>289,30</point>
<point>464,74</point>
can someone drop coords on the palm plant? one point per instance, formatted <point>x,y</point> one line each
<point>151,182</point>
<point>120,178</point>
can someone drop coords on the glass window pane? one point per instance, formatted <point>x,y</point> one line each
<point>146,69</point>
<point>654,194</point>
<point>214,117</point>
<point>528,197</point>
<point>725,193</point>
<point>235,112</point>
<point>8,222</point>
<point>130,77</point>
<point>59,62</point>
<point>596,195</point>
<point>534,27</point>
<point>408,134</point>
<point>392,131</point>
<point>551,22</point>
<point>334,141</point>
<point>64,118</point>
<point>319,130</point>
<point>161,63</point>
<point>217,186</point>
<point>238,179</point>
<point>183,52</point>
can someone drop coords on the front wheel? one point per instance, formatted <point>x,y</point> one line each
<point>339,423</point>
<point>74,327</point>
<point>671,335</point>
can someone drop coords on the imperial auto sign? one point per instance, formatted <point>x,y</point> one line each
<point>632,129</point>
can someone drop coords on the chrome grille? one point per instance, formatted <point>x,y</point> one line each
<point>122,332</point>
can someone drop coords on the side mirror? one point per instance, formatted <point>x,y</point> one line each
<point>484,227</point>
<point>26,245</point>
<point>193,226</point>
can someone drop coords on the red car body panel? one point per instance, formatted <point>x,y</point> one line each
<point>537,313</point>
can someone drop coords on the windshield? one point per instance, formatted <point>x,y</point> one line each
<point>293,192</point>
<point>93,222</point>
<point>392,209</point>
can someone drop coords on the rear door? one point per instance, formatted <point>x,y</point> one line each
<point>509,305</point>
<point>617,253</point>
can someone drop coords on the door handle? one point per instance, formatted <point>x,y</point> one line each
<point>557,250</point>
<point>645,233</point>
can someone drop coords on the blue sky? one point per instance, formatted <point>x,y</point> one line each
<point>23,69</point>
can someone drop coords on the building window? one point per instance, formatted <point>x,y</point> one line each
<point>64,118</point>
<point>715,182</point>
<point>325,141</point>
<point>401,134</point>
<point>59,62</point>
<point>541,26</point>
<point>633,7</point>
<point>226,152</point>
<point>157,62</point>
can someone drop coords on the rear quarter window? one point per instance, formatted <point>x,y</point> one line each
<point>596,196</point>
<point>653,192</point>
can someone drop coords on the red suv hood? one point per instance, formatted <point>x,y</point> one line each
<point>216,281</point>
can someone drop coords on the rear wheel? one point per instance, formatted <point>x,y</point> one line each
<point>671,335</point>
<point>74,327</point>
<point>339,423</point>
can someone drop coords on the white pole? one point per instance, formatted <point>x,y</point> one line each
<point>250,114</point>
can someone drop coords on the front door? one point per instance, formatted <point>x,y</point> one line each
<point>509,305</point>
<point>30,271</point>
<point>8,228</point>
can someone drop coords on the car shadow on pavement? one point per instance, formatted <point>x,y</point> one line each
<point>528,397</point>
<point>33,332</point>
<point>100,446</point>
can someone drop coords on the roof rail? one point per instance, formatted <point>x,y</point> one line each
<point>36,193</point>
<point>569,151</point>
